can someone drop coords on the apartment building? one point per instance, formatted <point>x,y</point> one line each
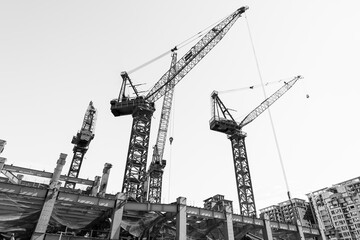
<point>288,211</point>
<point>337,210</point>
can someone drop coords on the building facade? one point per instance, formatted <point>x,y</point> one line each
<point>337,210</point>
<point>288,211</point>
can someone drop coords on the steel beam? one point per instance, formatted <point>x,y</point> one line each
<point>44,174</point>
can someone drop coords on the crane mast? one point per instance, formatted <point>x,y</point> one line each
<point>158,164</point>
<point>142,107</point>
<point>81,142</point>
<point>222,121</point>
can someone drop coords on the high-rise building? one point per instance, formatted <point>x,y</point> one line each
<point>337,209</point>
<point>288,211</point>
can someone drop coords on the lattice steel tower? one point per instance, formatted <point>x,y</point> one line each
<point>222,121</point>
<point>81,142</point>
<point>142,108</point>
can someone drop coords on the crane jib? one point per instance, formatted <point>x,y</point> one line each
<point>194,55</point>
<point>268,102</point>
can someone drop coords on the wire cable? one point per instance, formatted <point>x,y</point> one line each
<point>178,46</point>
<point>270,116</point>
<point>171,139</point>
<point>249,87</point>
<point>149,62</point>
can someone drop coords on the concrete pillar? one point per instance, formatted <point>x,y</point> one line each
<point>50,199</point>
<point>104,179</point>
<point>267,233</point>
<point>20,177</point>
<point>2,145</point>
<point>181,219</point>
<point>96,186</point>
<point>229,224</point>
<point>2,162</point>
<point>117,216</point>
<point>300,230</point>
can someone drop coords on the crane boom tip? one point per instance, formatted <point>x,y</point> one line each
<point>243,9</point>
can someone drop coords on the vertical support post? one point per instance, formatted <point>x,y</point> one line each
<point>104,179</point>
<point>2,162</point>
<point>181,219</point>
<point>50,200</point>
<point>300,232</point>
<point>267,234</point>
<point>117,216</point>
<point>242,174</point>
<point>96,186</point>
<point>2,145</point>
<point>229,224</point>
<point>135,171</point>
<point>20,178</point>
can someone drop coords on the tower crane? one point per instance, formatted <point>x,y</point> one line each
<point>142,108</point>
<point>157,165</point>
<point>222,121</point>
<point>81,142</point>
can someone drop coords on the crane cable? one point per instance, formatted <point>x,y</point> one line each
<point>270,116</point>
<point>171,139</point>
<point>250,87</point>
<point>178,46</point>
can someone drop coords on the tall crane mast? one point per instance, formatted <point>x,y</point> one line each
<point>157,165</point>
<point>142,107</point>
<point>81,142</point>
<point>222,121</point>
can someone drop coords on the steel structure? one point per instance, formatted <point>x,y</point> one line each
<point>81,142</point>
<point>142,107</point>
<point>222,121</point>
<point>158,164</point>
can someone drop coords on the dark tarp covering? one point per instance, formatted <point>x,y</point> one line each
<point>19,214</point>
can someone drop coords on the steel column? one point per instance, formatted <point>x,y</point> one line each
<point>135,170</point>
<point>181,219</point>
<point>229,224</point>
<point>117,216</point>
<point>50,200</point>
<point>242,174</point>
<point>104,179</point>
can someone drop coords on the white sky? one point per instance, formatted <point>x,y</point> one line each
<point>56,56</point>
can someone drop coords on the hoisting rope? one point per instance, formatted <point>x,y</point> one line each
<point>270,116</point>
<point>149,62</point>
<point>177,47</point>
<point>250,87</point>
<point>171,139</point>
